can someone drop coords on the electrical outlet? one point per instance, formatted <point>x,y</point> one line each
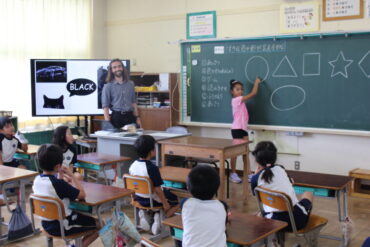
<point>297,165</point>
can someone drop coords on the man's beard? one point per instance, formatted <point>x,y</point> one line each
<point>118,73</point>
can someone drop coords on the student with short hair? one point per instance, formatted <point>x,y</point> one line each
<point>50,158</point>
<point>145,148</point>
<point>204,217</point>
<point>9,144</point>
<point>271,176</point>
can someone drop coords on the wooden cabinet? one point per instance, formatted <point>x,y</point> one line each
<point>152,116</point>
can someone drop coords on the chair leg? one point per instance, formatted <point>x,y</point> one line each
<point>227,179</point>
<point>49,242</point>
<point>281,238</point>
<point>136,217</point>
<point>78,242</point>
<point>312,237</point>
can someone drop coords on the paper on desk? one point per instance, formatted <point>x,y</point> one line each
<point>162,134</point>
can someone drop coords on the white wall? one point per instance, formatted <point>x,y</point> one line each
<point>147,31</point>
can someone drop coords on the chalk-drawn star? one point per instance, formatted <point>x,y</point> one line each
<point>340,65</point>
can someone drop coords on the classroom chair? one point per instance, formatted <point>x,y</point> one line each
<point>282,202</point>
<point>53,209</point>
<point>147,243</point>
<point>143,185</point>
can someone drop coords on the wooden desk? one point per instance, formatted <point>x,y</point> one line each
<point>31,151</point>
<point>337,183</point>
<point>175,174</point>
<point>16,177</point>
<point>101,162</point>
<point>243,229</point>
<point>210,148</point>
<point>89,144</point>
<point>102,198</point>
<point>19,176</point>
<point>29,155</point>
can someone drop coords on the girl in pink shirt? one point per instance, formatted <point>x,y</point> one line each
<point>240,117</point>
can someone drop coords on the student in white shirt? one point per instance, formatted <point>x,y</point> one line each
<point>204,217</point>
<point>274,177</point>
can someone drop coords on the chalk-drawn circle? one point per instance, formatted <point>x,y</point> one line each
<point>256,62</point>
<point>287,97</point>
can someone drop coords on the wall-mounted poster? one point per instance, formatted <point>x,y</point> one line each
<point>342,9</point>
<point>299,17</point>
<point>201,25</point>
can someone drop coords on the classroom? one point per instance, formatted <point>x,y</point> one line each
<point>153,122</point>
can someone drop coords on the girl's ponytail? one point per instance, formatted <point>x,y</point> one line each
<point>266,155</point>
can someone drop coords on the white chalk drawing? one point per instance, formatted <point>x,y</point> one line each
<point>366,67</point>
<point>267,68</point>
<point>291,107</point>
<point>340,65</point>
<point>278,73</point>
<point>311,73</point>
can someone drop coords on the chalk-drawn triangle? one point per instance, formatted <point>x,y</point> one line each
<point>284,69</point>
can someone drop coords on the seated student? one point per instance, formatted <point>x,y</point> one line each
<point>63,138</point>
<point>9,144</point>
<point>50,159</point>
<point>204,217</point>
<point>271,176</point>
<point>145,148</point>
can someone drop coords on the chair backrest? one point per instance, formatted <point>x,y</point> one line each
<point>277,200</point>
<point>177,130</point>
<point>273,199</point>
<point>142,185</point>
<point>47,207</point>
<point>147,243</point>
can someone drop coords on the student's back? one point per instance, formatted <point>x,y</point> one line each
<point>204,217</point>
<point>204,223</point>
<point>279,182</point>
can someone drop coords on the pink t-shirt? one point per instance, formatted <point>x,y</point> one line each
<point>240,114</point>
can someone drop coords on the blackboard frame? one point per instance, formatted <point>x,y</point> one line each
<point>185,119</point>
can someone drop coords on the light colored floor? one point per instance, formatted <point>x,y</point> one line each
<point>359,211</point>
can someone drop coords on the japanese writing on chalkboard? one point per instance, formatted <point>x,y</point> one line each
<point>264,47</point>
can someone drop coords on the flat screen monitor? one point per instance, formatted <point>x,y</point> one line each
<point>68,87</point>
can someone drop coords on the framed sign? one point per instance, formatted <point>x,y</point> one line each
<point>201,25</point>
<point>342,9</point>
<point>299,17</point>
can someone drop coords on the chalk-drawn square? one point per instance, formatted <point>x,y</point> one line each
<point>311,64</point>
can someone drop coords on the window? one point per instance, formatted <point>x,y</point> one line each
<point>58,29</point>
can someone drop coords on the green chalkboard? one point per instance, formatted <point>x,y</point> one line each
<point>320,81</point>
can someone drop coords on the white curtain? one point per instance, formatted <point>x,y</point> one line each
<point>56,29</point>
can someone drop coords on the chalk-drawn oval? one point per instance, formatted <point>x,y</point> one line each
<point>287,97</point>
<point>256,63</point>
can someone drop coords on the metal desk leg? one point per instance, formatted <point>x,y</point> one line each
<point>105,176</point>
<point>157,155</point>
<point>119,167</point>
<point>22,192</point>
<point>338,194</point>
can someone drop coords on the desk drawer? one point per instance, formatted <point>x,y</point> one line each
<point>177,234</point>
<point>315,191</point>
<point>87,166</point>
<point>80,207</point>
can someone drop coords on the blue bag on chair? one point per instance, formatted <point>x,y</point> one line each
<point>19,224</point>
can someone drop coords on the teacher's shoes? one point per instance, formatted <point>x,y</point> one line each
<point>235,178</point>
<point>144,220</point>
